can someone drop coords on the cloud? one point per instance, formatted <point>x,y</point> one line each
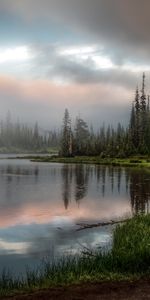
<point>83,64</point>
<point>43,101</point>
<point>116,31</point>
<point>121,26</point>
<point>104,63</point>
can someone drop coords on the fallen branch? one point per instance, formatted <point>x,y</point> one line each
<point>100,224</point>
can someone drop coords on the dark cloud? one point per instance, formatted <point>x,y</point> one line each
<point>122,26</point>
<point>84,74</point>
<point>50,64</point>
<point>119,28</point>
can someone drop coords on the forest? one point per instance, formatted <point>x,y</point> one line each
<point>78,139</point>
<point>16,137</point>
<point>109,141</point>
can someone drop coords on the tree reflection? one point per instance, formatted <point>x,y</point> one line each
<point>66,184</point>
<point>119,176</point>
<point>81,181</point>
<point>111,172</point>
<point>129,183</point>
<point>103,180</point>
<point>139,192</point>
<point>80,174</point>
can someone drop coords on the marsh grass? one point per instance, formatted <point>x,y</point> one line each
<point>128,258</point>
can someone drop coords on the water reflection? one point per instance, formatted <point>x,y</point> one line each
<point>66,184</point>
<point>22,183</point>
<point>74,178</point>
<point>136,184</point>
<point>81,181</point>
<point>139,192</point>
<point>40,205</point>
<point>11,172</point>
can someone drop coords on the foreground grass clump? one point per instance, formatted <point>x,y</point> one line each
<point>131,245</point>
<point>128,258</point>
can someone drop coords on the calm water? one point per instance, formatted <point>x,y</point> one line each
<point>41,204</point>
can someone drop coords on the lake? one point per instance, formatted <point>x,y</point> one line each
<point>42,203</point>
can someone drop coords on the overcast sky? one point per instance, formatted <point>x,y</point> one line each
<point>85,55</point>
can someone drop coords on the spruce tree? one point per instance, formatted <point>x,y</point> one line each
<point>81,137</point>
<point>142,143</point>
<point>66,140</point>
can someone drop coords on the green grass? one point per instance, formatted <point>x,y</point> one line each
<point>131,161</point>
<point>131,245</point>
<point>129,258</point>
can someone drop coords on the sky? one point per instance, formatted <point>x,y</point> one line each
<point>87,56</point>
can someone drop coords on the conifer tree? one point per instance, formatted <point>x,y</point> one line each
<point>142,129</point>
<point>66,140</point>
<point>81,136</point>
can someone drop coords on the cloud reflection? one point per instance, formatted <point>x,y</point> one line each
<point>39,210</point>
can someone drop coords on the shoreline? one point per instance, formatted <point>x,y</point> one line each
<point>133,161</point>
<point>125,289</point>
<point>127,261</point>
<point>143,162</point>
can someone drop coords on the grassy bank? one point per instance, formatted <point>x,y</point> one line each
<point>15,150</point>
<point>131,161</point>
<point>129,258</point>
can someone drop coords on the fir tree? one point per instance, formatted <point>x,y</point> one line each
<point>66,140</point>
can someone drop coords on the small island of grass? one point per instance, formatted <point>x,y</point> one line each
<point>126,162</point>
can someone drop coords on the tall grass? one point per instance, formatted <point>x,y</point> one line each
<point>131,245</point>
<point>129,257</point>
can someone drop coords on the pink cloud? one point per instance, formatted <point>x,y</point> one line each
<point>38,99</point>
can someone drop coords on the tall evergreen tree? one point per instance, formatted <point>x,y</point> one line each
<point>135,120</point>
<point>139,129</point>
<point>66,140</point>
<point>143,116</point>
<point>81,137</point>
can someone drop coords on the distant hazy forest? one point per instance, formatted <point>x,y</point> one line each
<point>16,137</point>
<point>79,139</point>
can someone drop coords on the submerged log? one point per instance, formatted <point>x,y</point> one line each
<point>100,224</point>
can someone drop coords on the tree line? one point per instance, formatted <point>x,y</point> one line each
<point>15,136</point>
<point>109,141</point>
<point>80,139</point>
